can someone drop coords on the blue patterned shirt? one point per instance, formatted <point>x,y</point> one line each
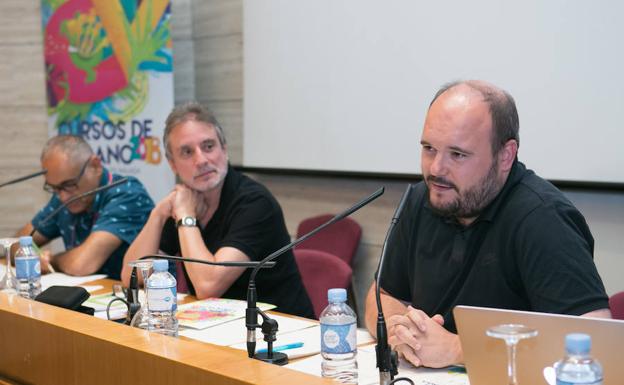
<point>121,211</point>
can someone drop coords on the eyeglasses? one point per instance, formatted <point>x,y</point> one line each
<point>69,185</point>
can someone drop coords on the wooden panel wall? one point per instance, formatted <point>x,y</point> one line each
<point>183,51</point>
<point>22,110</point>
<point>218,39</point>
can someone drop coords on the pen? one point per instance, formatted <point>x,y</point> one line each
<point>279,348</point>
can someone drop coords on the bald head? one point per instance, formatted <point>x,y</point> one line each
<point>73,147</point>
<point>502,108</point>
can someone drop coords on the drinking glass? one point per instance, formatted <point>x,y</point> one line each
<point>512,334</point>
<point>9,283</point>
<point>140,318</point>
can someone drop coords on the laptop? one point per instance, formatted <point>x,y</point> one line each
<point>486,357</point>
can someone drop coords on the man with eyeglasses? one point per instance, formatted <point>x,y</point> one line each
<point>97,229</point>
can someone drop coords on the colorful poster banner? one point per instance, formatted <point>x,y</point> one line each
<point>109,78</point>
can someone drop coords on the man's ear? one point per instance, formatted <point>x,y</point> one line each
<point>225,150</point>
<point>96,163</point>
<point>507,155</point>
<point>172,165</point>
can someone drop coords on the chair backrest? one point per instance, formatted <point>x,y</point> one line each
<point>321,271</point>
<point>340,239</point>
<point>616,304</point>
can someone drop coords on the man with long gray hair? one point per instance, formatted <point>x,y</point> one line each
<point>216,213</point>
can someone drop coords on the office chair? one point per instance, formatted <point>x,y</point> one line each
<point>616,304</point>
<point>321,271</point>
<point>340,239</point>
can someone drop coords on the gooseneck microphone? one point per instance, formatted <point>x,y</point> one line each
<point>132,294</point>
<point>387,360</point>
<point>247,264</point>
<point>269,327</point>
<point>23,178</point>
<point>78,197</point>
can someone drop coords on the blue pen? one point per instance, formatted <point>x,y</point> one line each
<point>279,348</point>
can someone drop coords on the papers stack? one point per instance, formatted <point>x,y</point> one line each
<point>213,311</point>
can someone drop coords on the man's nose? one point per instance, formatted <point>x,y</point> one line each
<point>63,195</point>
<point>200,157</point>
<point>438,165</point>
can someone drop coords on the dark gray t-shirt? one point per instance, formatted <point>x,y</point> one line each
<point>250,219</point>
<point>530,249</point>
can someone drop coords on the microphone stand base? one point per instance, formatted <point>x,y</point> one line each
<point>277,358</point>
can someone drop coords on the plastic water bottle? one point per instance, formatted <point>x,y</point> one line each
<point>578,367</point>
<point>338,339</point>
<point>162,300</point>
<point>28,268</point>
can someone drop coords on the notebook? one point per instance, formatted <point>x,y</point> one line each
<point>486,358</point>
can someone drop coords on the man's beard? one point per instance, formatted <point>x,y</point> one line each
<point>471,202</point>
<point>217,182</point>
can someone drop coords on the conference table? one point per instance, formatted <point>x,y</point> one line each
<point>44,344</point>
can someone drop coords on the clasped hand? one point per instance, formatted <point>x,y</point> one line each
<point>423,340</point>
<point>181,202</point>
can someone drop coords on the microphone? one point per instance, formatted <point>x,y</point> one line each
<point>269,327</point>
<point>132,294</point>
<point>78,197</point>
<point>387,359</point>
<point>247,264</point>
<point>23,178</point>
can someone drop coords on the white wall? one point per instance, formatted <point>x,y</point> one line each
<point>345,84</point>
<point>604,212</point>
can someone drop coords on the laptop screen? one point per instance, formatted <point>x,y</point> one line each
<point>486,357</point>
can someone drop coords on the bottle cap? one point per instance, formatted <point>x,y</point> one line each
<point>160,265</point>
<point>336,295</point>
<point>578,343</point>
<point>26,240</point>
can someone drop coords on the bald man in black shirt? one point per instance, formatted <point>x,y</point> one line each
<point>480,230</point>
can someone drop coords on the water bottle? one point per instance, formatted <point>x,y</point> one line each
<point>28,268</point>
<point>338,339</point>
<point>578,367</point>
<point>162,300</point>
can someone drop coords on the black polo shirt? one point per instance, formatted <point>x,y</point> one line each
<point>250,219</point>
<point>530,249</point>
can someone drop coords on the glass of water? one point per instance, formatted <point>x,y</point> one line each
<point>140,318</point>
<point>9,283</point>
<point>511,334</point>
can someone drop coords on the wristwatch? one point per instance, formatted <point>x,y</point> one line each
<point>187,222</point>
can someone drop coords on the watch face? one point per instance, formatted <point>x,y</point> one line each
<point>187,222</point>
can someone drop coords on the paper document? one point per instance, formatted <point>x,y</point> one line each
<point>118,309</point>
<point>368,374</point>
<point>213,311</point>
<point>235,332</point>
<point>60,279</point>
<point>92,288</point>
<point>57,279</point>
<point>309,337</point>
